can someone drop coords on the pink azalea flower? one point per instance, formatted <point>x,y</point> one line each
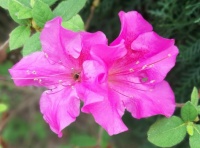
<point>59,68</point>
<point>131,74</point>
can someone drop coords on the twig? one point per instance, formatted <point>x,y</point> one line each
<point>179,105</point>
<point>99,139</point>
<point>5,45</point>
<point>92,9</point>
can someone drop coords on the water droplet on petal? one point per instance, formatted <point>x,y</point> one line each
<point>169,55</point>
<point>152,65</point>
<point>131,70</point>
<point>40,81</point>
<point>46,55</point>
<point>152,81</point>
<point>35,79</point>
<point>28,72</point>
<point>143,67</point>
<point>34,72</point>
<point>137,62</point>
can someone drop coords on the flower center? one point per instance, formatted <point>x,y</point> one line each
<point>76,76</point>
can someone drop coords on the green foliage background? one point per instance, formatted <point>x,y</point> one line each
<point>178,19</point>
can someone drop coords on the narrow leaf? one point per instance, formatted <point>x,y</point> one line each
<point>167,132</point>
<point>19,36</point>
<point>190,128</point>
<point>49,2</point>
<point>67,9</point>
<point>189,112</point>
<point>195,138</point>
<point>25,2</point>
<point>32,44</point>
<point>195,96</point>
<point>198,108</point>
<point>24,13</point>
<point>14,7</point>
<point>4,4</point>
<point>41,13</point>
<point>74,24</point>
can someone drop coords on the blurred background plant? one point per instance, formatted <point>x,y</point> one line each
<point>21,124</point>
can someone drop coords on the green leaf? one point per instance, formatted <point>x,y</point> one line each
<point>82,140</point>
<point>4,4</point>
<point>24,13</point>
<point>67,9</point>
<point>41,13</point>
<point>3,107</point>
<point>49,2</point>
<point>195,138</point>
<point>195,96</point>
<point>190,128</point>
<point>167,132</point>
<point>14,7</point>
<point>32,44</point>
<point>198,108</point>
<point>74,24</point>
<point>19,36</point>
<point>25,2</point>
<point>189,112</point>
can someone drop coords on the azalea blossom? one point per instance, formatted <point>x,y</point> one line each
<point>79,66</point>
<point>58,67</point>
<point>131,74</point>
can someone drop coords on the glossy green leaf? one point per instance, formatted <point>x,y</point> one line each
<point>198,109</point>
<point>67,9</point>
<point>19,36</point>
<point>195,96</point>
<point>74,24</point>
<point>82,140</point>
<point>14,7</point>
<point>4,4</point>
<point>167,132</point>
<point>3,107</point>
<point>195,138</point>
<point>189,112</point>
<point>25,2</point>
<point>41,13</point>
<point>32,44</point>
<point>24,13</point>
<point>49,2</point>
<point>190,128</point>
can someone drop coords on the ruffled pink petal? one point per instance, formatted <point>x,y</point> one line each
<point>108,113</point>
<point>153,56</point>
<point>58,43</point>
<point>92,87</point>
<point>94,72</point>
<point>60,108</point>
<point>159,100</point>
<point>132,25</point>
<point>89,40</point>
<point>109,54</point>
<point>51,41</point>
<point>35,69</point>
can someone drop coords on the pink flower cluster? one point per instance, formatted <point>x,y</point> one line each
<point>127,75</point>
